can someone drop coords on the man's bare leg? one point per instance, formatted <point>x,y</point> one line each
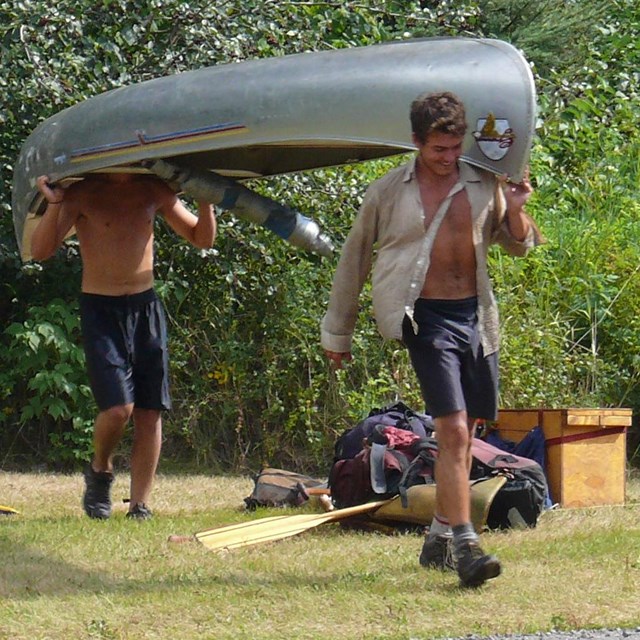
<point>453,467</point>
<point>107,433</point>
<point>454,433</point>
<point>452,489</point>
<point>147,441</point>
<point>98,475</point>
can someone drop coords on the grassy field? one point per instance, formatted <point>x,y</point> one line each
<point>63,576</point>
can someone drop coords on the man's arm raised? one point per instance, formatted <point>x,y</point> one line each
<point>199,230</point>
<point>54,225</point>
<point>516,196</point>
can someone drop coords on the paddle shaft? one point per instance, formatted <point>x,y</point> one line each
<point>276,528</point>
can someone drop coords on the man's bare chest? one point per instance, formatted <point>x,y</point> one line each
<point>457,217</point>
<point>106,219</point>
<point>106,233</point>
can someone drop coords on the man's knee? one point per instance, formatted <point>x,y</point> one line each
<point>452,433</point>
<point>120,414</point>
<point>147,420</point>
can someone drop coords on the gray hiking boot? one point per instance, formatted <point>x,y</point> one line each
<point>139,511</point>
<point>97,494</point>
<point>437,553</point>
<point>474,566</point>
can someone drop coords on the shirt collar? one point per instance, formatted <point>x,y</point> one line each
<point>410,170</point>
<point>468,173</point>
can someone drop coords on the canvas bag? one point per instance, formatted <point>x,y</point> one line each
<point>518,503</point>
<point>279,488</point>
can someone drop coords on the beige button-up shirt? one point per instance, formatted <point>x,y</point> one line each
<point>391,222</point>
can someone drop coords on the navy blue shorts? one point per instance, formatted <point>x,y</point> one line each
<point>449,361</point>
<point>125,343</point>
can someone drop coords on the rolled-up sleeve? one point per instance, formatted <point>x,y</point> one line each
<point>351,273</point>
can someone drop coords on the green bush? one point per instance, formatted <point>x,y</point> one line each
<point>46,402</point>
<point>249,381</point>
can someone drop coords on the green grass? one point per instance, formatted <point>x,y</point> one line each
<point>63,576</point>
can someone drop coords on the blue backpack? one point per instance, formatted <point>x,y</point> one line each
<point>382,456</point>
<point>398,415</point>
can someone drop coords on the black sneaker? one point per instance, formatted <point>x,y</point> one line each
<point>474,566</point>
<point>97,500</point>
<point>140,511</point>
<point>436,553</point>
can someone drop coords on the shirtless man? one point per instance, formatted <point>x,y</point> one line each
<point>123,321</point>
<point>432,221</point>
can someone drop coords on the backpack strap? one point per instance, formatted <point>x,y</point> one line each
<point>376,467</point>
<point>415,472</point>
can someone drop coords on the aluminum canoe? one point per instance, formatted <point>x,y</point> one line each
<point>285,114</point>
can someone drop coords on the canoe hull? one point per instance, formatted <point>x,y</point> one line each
<point>421,505</point>
<point>292,113</point>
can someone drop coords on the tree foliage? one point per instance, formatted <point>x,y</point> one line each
<point>250,383</point>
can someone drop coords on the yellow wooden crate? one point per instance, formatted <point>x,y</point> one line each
<point>586,451</point>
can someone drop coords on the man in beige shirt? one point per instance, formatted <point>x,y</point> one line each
<point>431,222</point>
<point>123,321</point>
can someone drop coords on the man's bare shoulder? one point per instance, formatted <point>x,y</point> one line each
<point>108,180</point>
<point>157,185</point>
<point>96,187</point>
<point>88,186</point>
<point>155,188</point>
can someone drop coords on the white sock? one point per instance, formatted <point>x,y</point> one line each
<point>439,526</point>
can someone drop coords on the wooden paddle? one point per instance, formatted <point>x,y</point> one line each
<point>276,527</point>
<point>7,511</point>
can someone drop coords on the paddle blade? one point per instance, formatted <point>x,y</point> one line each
<point>7,511</point>
<point>275,528</point>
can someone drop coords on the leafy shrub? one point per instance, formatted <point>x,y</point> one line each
<point>43,391</point>
<point>249,381</point>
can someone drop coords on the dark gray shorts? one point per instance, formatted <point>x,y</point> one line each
<point>448,359</point>
<point>125,343</point>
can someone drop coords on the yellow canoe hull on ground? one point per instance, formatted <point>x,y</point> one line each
<point>422,504</point>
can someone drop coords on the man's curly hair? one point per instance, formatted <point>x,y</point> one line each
<point>437,112</point>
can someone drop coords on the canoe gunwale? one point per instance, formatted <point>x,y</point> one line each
<point>133,164</point>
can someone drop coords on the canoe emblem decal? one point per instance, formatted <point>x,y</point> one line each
<point>494,136</point>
